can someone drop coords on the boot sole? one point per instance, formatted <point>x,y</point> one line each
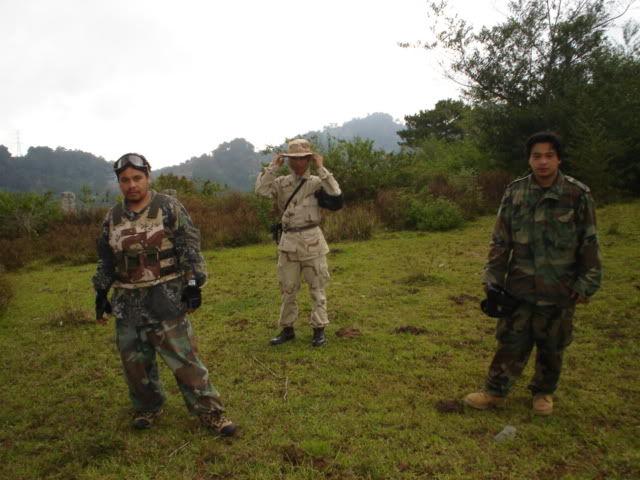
<point>542,413</point>
<point>271,342</point>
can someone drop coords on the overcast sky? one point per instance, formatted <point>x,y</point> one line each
<point>174,79</point>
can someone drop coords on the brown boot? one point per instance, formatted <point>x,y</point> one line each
<point>218,422</point>
<point>483,400</point>
<point>542,404</point>
<point>143,420</point>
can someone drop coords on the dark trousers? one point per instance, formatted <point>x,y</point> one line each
<point>549,329</point>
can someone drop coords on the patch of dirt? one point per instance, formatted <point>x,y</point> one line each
<point>616,334</point>
<point>463,298</point>
<point>70,317</point>
<point>413,290</point>
<point>335,251</point>
<point>348,332</point>
<point>410,329</point>
<point>449,406</point>
<point>421,280</point>
<point>321,463</point>
<point>293,455</point>
<point>240,323</point>
<point>336,269</point>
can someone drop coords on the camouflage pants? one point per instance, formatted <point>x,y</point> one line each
<point>549,329</point>
<point>174,341</point>
<point>316,273</point>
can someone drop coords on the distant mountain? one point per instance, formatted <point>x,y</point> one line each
<point>235,164</point>
<point>379,127</point>
<point>44,169</point>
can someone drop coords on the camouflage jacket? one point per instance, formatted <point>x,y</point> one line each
<point>303,210</point>
<point>544,244</point>
<point>180,230</point>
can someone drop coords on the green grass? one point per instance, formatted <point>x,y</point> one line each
<point>357,408</point>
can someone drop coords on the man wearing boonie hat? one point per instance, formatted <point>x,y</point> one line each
<point>302,249</point>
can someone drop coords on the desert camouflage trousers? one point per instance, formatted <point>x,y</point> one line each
<point>549,329</point>
<point>175,342</point>
<point>316,273</point>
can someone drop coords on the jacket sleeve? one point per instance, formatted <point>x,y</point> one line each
<point>328,182</point>
<point>495,270</point>
<point>588,255</point>
<point>106,269</point>
<point>187,243</point>
<point>265,183</point>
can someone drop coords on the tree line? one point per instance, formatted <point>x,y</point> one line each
<point>547,66</point>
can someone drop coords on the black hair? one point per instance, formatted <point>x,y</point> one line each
<point>546,137</point>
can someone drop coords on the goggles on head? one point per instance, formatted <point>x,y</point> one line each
<point>134,160</point>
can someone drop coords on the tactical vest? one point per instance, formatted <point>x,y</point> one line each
<point>145,255</point>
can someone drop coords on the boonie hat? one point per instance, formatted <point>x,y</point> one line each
<point>299,148</point>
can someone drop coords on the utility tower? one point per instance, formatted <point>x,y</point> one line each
<point>18,144</point>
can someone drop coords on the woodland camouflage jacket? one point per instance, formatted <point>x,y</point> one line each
<point>544,244</point>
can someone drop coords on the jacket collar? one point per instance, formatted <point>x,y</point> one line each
<point>554,191</point>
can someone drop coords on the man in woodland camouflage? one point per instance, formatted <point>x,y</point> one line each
<point>149,252</point>
<point>544,252</point>
<point>302,249</point>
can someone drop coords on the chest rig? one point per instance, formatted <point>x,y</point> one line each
<point>144,252</point>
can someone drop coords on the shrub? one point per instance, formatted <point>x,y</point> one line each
<point>15,253</point>
<point>27,214</point>
<point>493,184</point>
<point>351,223</point>
<point>391,208</point>
<point>438,214</point>
<point>71,241</point>
<point>229,220</point>
<point>461,188</point>
<point>6,292</point>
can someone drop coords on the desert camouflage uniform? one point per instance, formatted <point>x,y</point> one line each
<point>150,317</point>
<point>304,252</point>
<point>544,247</point>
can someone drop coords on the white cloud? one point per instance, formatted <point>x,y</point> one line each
<point>173,80</point>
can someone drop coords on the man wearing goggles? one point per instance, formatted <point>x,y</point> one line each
<point>149,252</point>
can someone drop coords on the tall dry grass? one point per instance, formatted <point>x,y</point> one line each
<point>356,222</point>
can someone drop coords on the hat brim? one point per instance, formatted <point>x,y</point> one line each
<point>298,155</point>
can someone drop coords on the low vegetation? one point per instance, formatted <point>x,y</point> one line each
<point>380,401</point>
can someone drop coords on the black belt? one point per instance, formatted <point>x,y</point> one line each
<point>298,229</point>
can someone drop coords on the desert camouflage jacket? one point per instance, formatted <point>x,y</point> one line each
<point>544,244</point>
<point>303,209</point>
<point>180,231</point>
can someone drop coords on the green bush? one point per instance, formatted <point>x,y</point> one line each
<point>461,188</point>
<point>437,214</point>
<point>27,214</point>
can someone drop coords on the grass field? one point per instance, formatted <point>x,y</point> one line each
<point>361,407</point>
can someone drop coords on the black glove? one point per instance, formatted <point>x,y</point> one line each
<point>102,304</point>
<point>192,297</point>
